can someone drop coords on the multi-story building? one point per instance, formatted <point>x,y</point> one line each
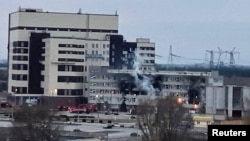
<point>49,53</point>
<point>110,86</point>
<point>123,54</point>
<point>230,100</point>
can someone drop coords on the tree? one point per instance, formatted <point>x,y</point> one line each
<point>34,123</point>
<point>164,119</point>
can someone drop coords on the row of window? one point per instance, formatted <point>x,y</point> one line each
<point>149,61</point>
<point>74,79</point>
<point>20,58</point>
<point>70,92</point>
<point>147,48</point>
<point>19,90</point>
<point>23,90</point>
<point>70,52</point>
<point>104,84</point>
<point>95,52</point>
<point>71,45</point>
<point>19,77</point>
<point>97,45</point>
<point>20,50</point>
<point>19,66</point>
<point>105,77</point>
<point>20,44</point>
<point>70,60</point>
<point>178,87</point>
<point>63,29</point>
<point>104,91</point>
<point>147,54</point>
<point>71,68</point>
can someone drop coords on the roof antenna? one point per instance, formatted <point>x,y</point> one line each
<point>115,12</point>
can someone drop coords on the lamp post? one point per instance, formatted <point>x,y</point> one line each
<point>98,97</point>
<point>15,95</point>
<point>179,100</point>
<point>53,92</point>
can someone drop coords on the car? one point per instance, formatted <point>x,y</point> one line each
<point>134,134</point>
<point>109,126</point>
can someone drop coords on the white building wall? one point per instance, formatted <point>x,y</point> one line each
<point>221,99</point>
<point>246,99</point>
<point>92,28</point>
<point>215,99</point>
<point>17,36</point>
<point>147,54</point>
<point>230,101</point>
<point>68,20</point>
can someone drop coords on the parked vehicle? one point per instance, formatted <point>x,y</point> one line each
<point>62,107</point>
<point>134,134</point>
<point>5,104</point>
<point>109,126</point>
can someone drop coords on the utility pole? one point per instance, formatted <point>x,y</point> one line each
<point>170,57</point>
<point>231,53</point>
<point>211,62</point>
<point>219,63</point>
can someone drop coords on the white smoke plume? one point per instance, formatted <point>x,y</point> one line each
<point>142,82</point>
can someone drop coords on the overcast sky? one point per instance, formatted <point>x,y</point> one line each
<point>190,26</point>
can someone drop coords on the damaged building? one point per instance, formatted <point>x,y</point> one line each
<point>111,86</point>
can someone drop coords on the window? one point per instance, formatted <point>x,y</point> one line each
<point>103,45</point>
<point>20,44</point>
<point>19,66</point>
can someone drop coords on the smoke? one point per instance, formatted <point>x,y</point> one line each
<point>142,82</point>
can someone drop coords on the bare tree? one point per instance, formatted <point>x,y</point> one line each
<point>164,120</point>
<point>34,124</point>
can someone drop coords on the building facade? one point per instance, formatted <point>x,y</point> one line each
<point>49,53</point>
<point>111,86</point>
<point>229,101</point>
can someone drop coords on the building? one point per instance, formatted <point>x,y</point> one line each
<point>123,54</point>
<point>230,100</point>
<point>49,53</point>
<point>109,86</point>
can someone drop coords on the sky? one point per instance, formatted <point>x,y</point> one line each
<point>191,27</point>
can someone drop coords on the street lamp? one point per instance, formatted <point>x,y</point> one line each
<point>99,106</point>
<point>195,106</point>
<point>53,92</point>
<point>133,106</point>
<point>179,100</point>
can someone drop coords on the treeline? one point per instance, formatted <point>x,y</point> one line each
<point>228,71</point>
<point>3,64</point>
